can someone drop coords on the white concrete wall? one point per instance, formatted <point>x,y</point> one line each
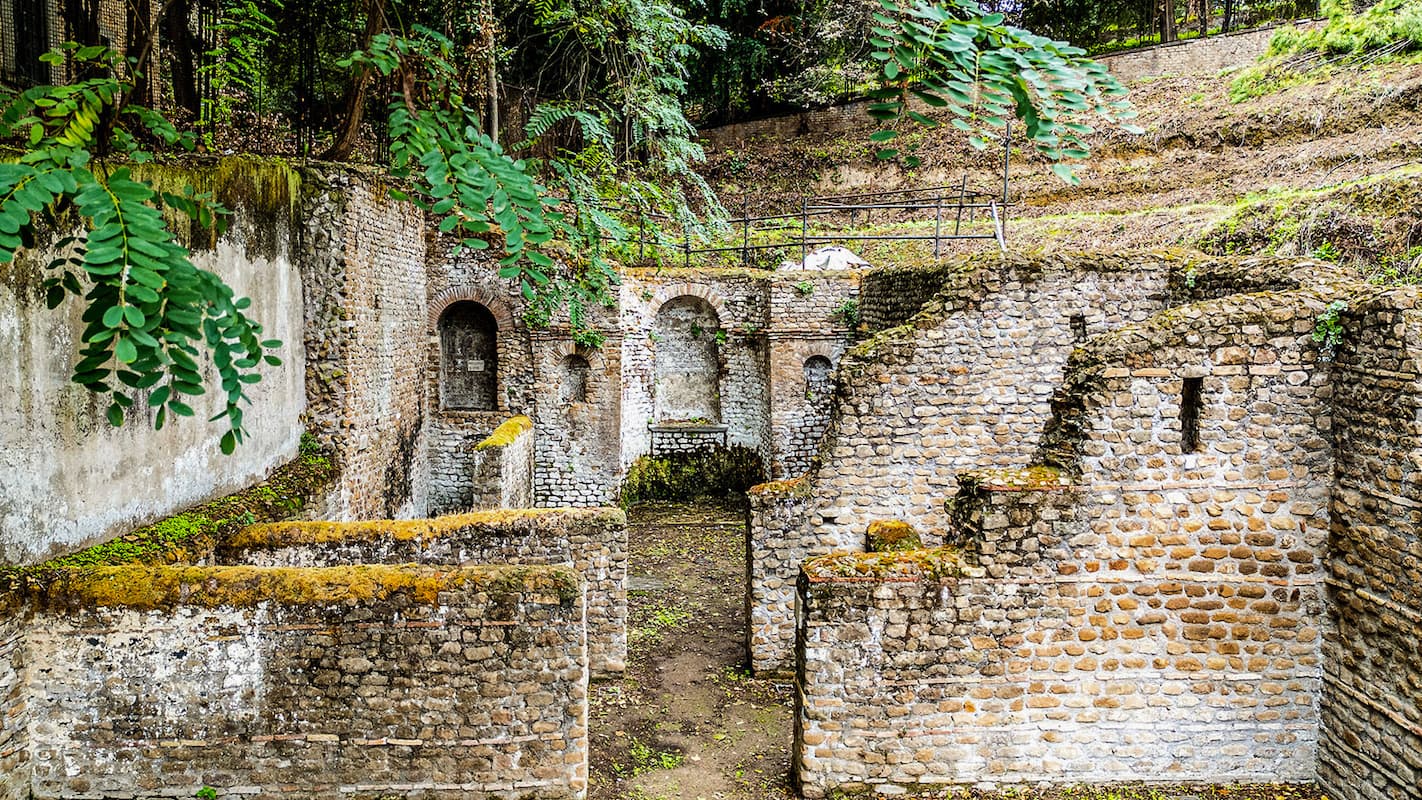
<point>68,479</point>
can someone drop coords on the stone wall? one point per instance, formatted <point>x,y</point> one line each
<point>811,317</point>
<point>579,421</point>
<point>1208,54</point>
<point>349,682</point>
<point>778,543</point>
<point>501,473</point>
<point>968,382</point>
<point>1148,607</point>
<point>592,541</point>
<point>14,712</point>
<point>73,480</point>
<point>365,318</point>
<point>1372,695</point>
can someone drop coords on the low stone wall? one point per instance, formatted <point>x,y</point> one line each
<point>920,669</point>
<point>593,541</point>
<point>777,545</point>
<point>1371,710</point>
<point>503,466</point>
<point>14,713</point>
<point>1208,54</point>
<point>351,682</point>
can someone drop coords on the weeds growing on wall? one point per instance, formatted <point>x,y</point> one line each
<point>719,472</point>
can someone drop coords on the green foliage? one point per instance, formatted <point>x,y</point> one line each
<point>236,67</point>
<point>1328,330</point>
<point>805,288</point>
<point>148,311</point>
<point>1327,252</point>
<point>954,58</point>
<point>720,472</point>
<point>1386,30</point>
<point>847,312</point>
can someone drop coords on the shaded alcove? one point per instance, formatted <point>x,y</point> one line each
<point>687,362</point>
<point>573,380</point>
<point>469,357</point>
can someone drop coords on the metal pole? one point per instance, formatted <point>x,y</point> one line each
<point>804,230</point>
<point>937,225</point>
<point>686,250</point>
<point>962,197</point>
<point>1006,153</point>
<point>745,230</point>
<point>997,229</point>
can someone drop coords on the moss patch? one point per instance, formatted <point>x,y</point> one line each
<point>505,434</point>
<point>193,534</point>
<point>719,472</point>
<point>935,563</point>
<point>286,534</point>
<point>892,535</point>
<point>790,487</point>
<point>145,587</point>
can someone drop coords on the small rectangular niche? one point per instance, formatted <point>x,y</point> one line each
<point>1078,328</point>
<point>1190,399</point>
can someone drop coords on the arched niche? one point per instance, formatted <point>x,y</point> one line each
<point>573,377</point>
<point>469,357</point>
<point>688,371</point>
<point>819,380</point>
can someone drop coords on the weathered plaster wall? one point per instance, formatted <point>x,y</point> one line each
<point>68,479</point>
<point>592,541</point>
<point>391,681</point>
<point>1371,744</point>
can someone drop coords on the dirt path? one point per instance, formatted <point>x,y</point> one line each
<point>686,721</point>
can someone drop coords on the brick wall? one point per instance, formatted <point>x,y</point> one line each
<point>592,541</point>
<point>365,293</point>
<point>1372,697</point>
<point>349,682</point>
<point>578,441</point>
<point>503,467</point>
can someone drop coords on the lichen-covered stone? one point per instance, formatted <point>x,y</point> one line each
<point>887,535</point>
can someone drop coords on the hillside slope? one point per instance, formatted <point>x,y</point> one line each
<point>1329,165</point>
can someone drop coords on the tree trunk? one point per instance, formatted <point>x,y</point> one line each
<point>1228,16</point>
<point>183,57</point>
<point>1167,21</point>
<point>349,131</point>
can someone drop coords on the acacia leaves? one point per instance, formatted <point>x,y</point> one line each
<point>950,57</point>
<point>149,313</point>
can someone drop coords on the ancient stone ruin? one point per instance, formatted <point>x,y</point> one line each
<point>1131,520</point>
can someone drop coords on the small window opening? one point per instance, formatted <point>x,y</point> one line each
<point>1078,327</point>
<point>575,379</point>
<point>1190,414</point>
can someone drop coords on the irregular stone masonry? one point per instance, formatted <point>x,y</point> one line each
<point>503,466</point>
<point>578,440</point>
<point>593,541</point>
<point>1208,54</point>
<point>1371,711</point>
<point>969,383</point>
<point>14,713</point>
<point>338,683</point>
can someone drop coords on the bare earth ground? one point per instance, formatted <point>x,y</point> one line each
<point>686,721</point>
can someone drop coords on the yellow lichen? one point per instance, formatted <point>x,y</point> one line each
<point>791,487</point>
<point>286,534</point>
<point>912,565</point>
<point>1016,479</point>
<point>505,434</point>
<point>888,535</point>
<point>164,587</point>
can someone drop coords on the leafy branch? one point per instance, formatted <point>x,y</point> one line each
<point>953,57</point>
<point>149,313</point>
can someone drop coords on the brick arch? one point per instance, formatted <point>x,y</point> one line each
<point>826,350</point>
<point>567,347</point>
<point>672,291</point>
<point>503,316</point>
